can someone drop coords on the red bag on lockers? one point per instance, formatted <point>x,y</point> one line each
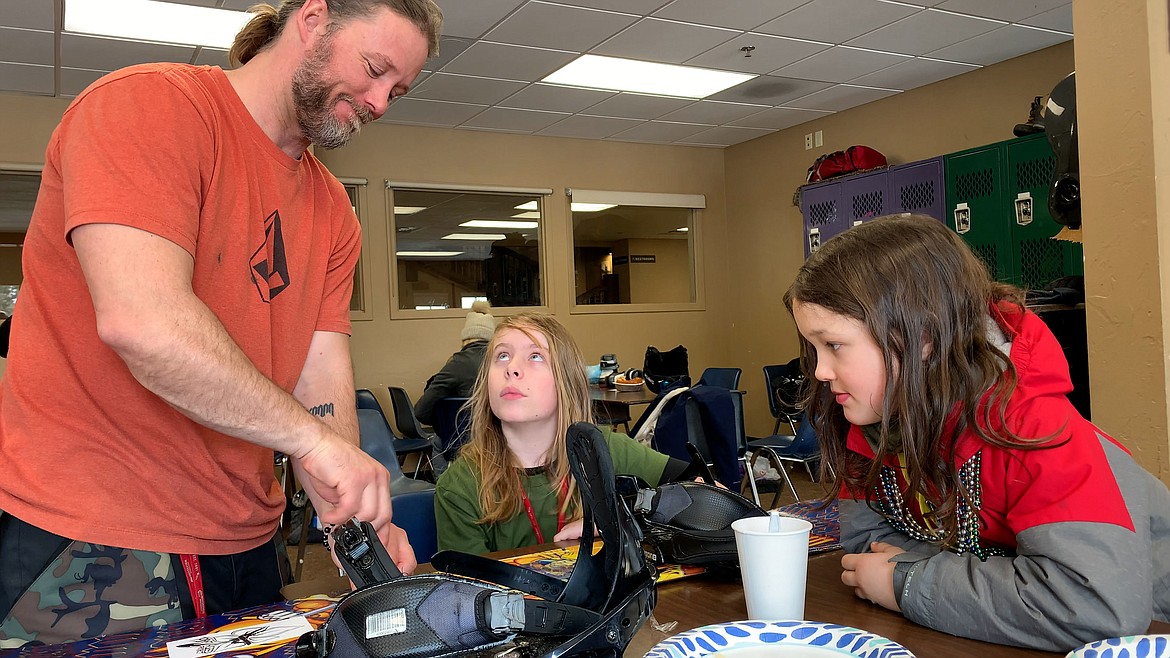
<point>839,163</point>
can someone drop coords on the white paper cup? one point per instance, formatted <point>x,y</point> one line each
<point>774,566</point>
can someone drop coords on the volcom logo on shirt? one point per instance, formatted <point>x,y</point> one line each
<point>269,268</point>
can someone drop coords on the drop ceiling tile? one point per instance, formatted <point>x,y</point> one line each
<point>724,136</point>
<point>995,46</point>
<point>712,113</point>
<point>769,90</point>
<point>26,46</point>
<point>657,131</point>
<point>512,62</point>
<point>213,57</point>
<point>778,118</point>
<point>471,18</point>
<point>836,21</point>
<point>912,73</point>
<point>768,53</point>
<point>588,127</point>
<point>640,7</point>
<point>555,98</point>
<point>741,14</point>
<point>465,89</point>
<point>637,106</point>
<point>449,49</point>
<point>30,14</point>
<point>78,51</point>
<point>664,41</point>
<point>1004,10</point>
<point>1057,19</point>
<point>197,3</point>
<point>557,26</point>
<point>74,81</point>
<point>924,32</point>
<point>27,78</point>
<point>840,97</point>
<point>839,64</point>
<point>503,118</point>
<point>431,113</point>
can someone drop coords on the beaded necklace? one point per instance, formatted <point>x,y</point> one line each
<point>893,507</point>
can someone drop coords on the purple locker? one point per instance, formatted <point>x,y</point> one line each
<point>919,187</point>
<point>821,206</point>
<point>865,196</point>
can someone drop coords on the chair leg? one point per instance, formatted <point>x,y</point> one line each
<point>750,476</point>
<point>778,463</point>
<point>776,427</point>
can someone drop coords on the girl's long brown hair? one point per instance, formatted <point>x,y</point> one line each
<point>268,21</point>
<point>925,298</point>
<point>487,449</point>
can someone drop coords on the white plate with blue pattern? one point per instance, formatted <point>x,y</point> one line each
<point>777,639</point>
<point>1131,646</point>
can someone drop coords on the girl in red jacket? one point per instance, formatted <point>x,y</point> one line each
<point>973,497</point>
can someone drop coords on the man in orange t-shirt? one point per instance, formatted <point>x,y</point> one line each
<point>188,270</point>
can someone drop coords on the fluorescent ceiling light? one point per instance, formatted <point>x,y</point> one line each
<point>408,210</point>
<point>590,207</point>
<point>474,236</point>
<point>436,254</point>
<point>148,20</point>
<point>575,207</point>
<point>498,223</point>
<point>527,215</point>
<point>683,229</point>
<point>618,74</point>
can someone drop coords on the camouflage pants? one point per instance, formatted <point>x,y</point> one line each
<point>53,589</point>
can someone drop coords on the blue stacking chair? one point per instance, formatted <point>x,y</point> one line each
<point>722,377</point>
<point>414,512</point>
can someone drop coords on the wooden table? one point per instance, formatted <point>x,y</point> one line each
<point>702,600</point>
<point>613,396</point>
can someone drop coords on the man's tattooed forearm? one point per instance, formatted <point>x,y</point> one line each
<point>322,410</point>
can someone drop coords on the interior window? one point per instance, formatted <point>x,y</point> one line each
<point>633,254</point>
<point>18,195</point>
<point>453,247</point>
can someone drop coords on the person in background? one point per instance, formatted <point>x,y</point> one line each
<point>457,377</point>
<point>973,497</point>
<point>510,486</point>
<point>184,314</point>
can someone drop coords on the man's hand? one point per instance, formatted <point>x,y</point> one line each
<point>343,482</point>
<point>398,546</point>
<point>871,575</point>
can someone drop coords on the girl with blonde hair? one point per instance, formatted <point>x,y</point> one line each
<point>510,486</point>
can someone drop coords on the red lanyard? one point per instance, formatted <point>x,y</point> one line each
<point>532,514</point>
<point>194,582</point>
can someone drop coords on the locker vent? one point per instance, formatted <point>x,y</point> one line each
<point>917,196</point>
<point>823,213</point>
<point>1041,262</point>
<point>868,205</point>
<point>975,184</point>
<point>989,255</point>
<point>1034,174</point>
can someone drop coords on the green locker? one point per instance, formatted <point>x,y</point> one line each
<point>1038,259</point>
<point>976,203</point>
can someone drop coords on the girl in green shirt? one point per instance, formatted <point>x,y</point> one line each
<point>511,486</point>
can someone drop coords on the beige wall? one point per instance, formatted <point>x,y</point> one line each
<point>976,108</point>
<point>1123,116</point>
<point>667,279</point>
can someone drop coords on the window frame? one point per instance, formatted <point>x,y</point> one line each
<point>696,203</point>
<point>361,198</point>
<point>541,194</point>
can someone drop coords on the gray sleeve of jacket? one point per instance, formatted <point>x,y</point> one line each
<point>441,385</point>
<point>1068,584</point>
<point>861,526</point>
